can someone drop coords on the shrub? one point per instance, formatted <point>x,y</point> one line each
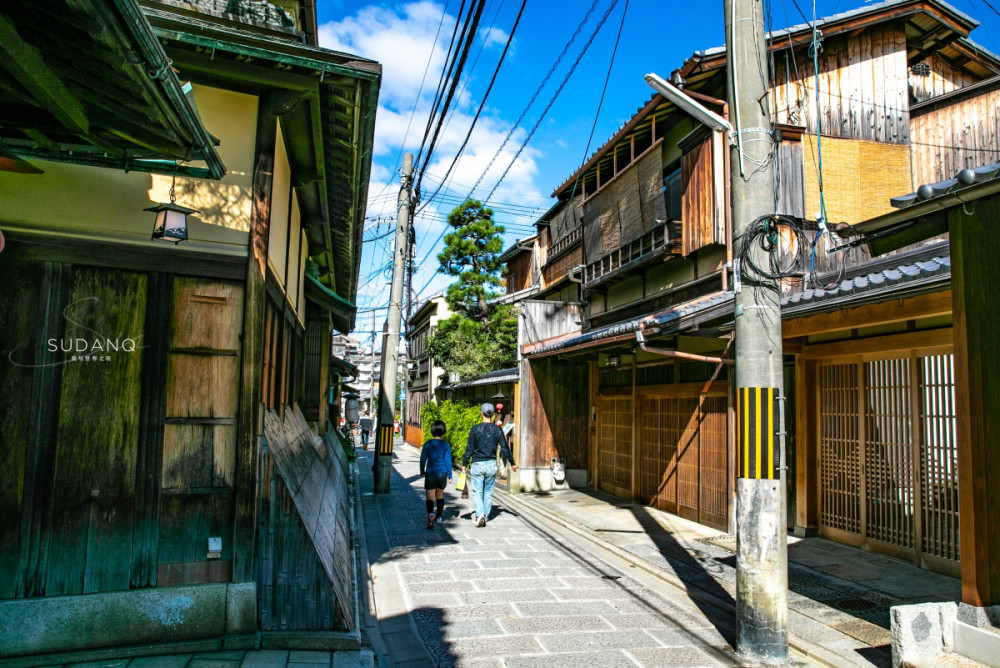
<point>459,416</point>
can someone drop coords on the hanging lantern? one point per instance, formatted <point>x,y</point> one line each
<point>171,219</point>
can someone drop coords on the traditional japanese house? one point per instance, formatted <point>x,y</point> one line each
<point>140,375</point>
<point>868,342</point>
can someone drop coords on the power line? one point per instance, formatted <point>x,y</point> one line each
<point>469,35</point>
<point>482,104</point>
<point>572,69</point>
<point>534,96</point>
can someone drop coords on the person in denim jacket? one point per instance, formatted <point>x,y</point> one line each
<point>481,452</point>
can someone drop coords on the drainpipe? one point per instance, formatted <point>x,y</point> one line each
<point>640,338</point>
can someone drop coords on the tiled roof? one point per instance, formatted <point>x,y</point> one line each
<point>682,315</point>
<point>964,179</point>
<point>915,275</point>
<point>489,378</point>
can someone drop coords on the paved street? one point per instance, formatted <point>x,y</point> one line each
<point>511,594</point>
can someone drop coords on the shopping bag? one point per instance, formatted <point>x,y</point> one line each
<point>460,485</point>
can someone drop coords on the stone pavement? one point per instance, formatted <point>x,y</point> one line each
<point>264,658</point>
<point>839,596</point>
<point>513,593</point>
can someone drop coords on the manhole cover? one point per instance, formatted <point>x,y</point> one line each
<point>855,604</point>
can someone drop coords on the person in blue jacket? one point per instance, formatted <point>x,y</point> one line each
<point>436,467</point>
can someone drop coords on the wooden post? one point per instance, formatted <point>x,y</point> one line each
<point>974,249</point>
<point>251,364</point>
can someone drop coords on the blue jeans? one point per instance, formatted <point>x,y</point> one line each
<point>482,476</point>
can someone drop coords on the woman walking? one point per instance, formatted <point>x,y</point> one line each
<point>481,452</point>
<point>435,460</point>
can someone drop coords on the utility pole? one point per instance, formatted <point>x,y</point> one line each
<point>371,394</point>
<point>390,344</point>
<point>411,239</point>
<point>761,549</point>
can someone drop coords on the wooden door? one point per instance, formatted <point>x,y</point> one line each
<point>888,457</point>
<point>199,441</point>
<point>614,444</point>
<point>683,452</point>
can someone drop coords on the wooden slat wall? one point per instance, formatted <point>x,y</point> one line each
<point>863,86</point>
<point>939,457</point>
<point>943,79</point>
<point>519,272</point>
<point>304,561</point>
<point>21,340</point>
<point>698,198</point>
<point>961,135</point>
<point>556,396</point>
<point>94,484</point>
<point>791,194</point>
<point>614,444</point>
<point>562,264</point>
<point>682,450</point>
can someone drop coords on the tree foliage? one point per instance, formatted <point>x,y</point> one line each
<point>458,416</point>
<point>480,336</point>
<point>471,254</point>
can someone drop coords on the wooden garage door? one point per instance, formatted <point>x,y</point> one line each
<point>888,457</point>
<point>682,447</point>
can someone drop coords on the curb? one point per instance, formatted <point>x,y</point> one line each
<point>807,649</point>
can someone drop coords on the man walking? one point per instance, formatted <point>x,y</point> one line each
<point>366,428</point>
<point>481,451</point>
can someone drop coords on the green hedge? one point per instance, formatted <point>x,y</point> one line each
<point>458,416</point>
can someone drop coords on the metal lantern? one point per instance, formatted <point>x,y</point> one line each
<point>171,219</point>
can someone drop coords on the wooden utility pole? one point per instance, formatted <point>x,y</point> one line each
<point>390,345</point>
<point>761,550</point>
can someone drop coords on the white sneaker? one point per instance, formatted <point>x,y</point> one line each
<point>439,519</point>
<point>481,522</point>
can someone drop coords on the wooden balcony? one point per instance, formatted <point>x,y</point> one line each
<point>565,243</point>
<point>664,239</point>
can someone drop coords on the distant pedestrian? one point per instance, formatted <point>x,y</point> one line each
<point>436,467</point>
<point>481,452</point>
<point>366,428</point>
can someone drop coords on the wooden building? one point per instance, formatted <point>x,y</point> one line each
<point>138,373</point>
<point>422,376</point>
<point>868,342</point>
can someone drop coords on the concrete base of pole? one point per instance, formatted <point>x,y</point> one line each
<point>761,573</point>
<point>383,473</point>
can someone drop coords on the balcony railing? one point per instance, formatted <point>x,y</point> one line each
<point>564,243</point>
<point>663,239</point>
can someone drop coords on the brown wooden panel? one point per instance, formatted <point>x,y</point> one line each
<point>557,421</point>
<point>94,484</point>
<point>714,446</point>
<point>939,457</point>
<point>202,386</point>
<point>207,314</point>
<point>840,458</point>
<point>614,443</point>
<point>688,459</point>
<point>698,198</point>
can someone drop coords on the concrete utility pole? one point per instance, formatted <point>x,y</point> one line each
<point>761,550</point>
<point>410,243</point>
<point>390,345</point>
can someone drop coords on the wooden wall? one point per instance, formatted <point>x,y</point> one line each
<point>863,86</point>
<point>304,562</point>
<point>698,208</point>
<point>947,138</point>
<point>942,79</point>
<point>557,403</point>
<point>556,270</point>
<point>519,272</point>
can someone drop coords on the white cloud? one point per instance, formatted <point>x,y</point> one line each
<point>402,39</point>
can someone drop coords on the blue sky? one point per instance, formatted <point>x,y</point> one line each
<point>655,37</point>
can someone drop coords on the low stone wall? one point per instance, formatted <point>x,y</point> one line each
<point>923,634</point>
<point>119,619</point>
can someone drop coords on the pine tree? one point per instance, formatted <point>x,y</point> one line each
<point>471,255</point>
<point>479,337</point>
